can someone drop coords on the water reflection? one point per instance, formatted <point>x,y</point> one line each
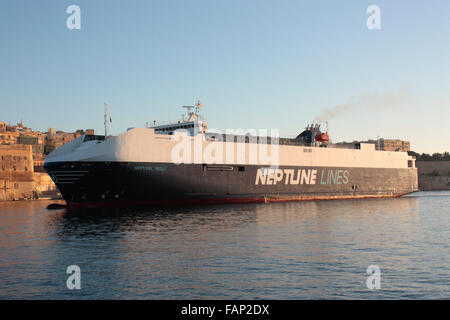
<point>221,217</point>
<point>278,250</point>
<point>158,220</point>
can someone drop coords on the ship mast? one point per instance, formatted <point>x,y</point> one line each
<point>196,108</point>
<point>106,120</point>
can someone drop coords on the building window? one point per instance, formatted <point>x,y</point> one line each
<point>16,186</point>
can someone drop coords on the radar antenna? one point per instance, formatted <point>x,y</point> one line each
<point>189,108</point>
<point>196,108</point>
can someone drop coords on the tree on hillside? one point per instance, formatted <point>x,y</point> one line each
<point>426,157</point>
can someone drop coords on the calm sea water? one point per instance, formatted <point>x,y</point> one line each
<point>303,250</point>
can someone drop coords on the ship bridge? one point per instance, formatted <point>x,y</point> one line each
<point>191,122</point>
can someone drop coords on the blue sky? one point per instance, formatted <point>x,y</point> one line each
<point>253,64</point>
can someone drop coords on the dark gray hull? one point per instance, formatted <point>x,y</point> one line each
<point>94,184</point>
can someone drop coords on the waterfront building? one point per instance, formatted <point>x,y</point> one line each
<point>394,145</point>
<point>380,144</point>
<point>16,172</point>
<point>22,155</point>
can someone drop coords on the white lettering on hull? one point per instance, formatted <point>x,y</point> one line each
<point>271,176</point>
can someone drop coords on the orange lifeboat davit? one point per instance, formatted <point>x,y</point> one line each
<point>323,137</point>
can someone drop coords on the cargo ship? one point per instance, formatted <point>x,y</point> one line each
<point>181,162</point>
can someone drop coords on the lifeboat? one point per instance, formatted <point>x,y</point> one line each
<point>323,137</point>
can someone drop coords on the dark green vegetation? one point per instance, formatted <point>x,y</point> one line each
<point>434,157</point>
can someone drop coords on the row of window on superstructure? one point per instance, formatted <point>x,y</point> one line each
<point>175,128</point>
<point>14,157</point>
